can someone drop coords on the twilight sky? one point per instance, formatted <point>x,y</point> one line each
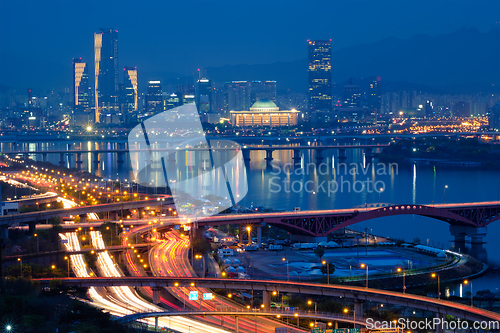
<point>180,36</point>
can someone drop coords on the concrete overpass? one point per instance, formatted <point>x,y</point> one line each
<point>331,318</point>
<point>34,217</point>
<point>358,294</point>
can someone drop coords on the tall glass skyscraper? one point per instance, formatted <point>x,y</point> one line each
<point>106,76</point>
<point>154,98</point>
<point>320,75</point>
<point>81,94</point>
<point>130,91</point>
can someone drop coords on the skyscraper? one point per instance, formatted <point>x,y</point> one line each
<point>81,93</point>
<point>204,95</point>
<point>129,93</point>
<point>494,117</point>
<point>351,95</point>
<point>320,76</point>
<point>154,98</point>
<point>262,90</point>
<point>374,98</point>
<point>106,76</point>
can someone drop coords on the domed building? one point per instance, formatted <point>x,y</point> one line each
<point>264,113</point>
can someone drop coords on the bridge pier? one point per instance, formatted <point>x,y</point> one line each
<point>96,159</point>
<point>78,160</point>
<point>368,154</point>
<point>236,323</point>
<point>439,327</point>
<point>246,155</point>
<point>83,218</point>
<point>342,156</point>
<point>240,234</point>
<point>44,157</point>
<point>61,158</point>
<point>266,300</point>
<point>475,233</point>
<point>156,294</point>
<point>259,234</point>
<point>32,228</point>
<point>140,212</point>
<point>156,324</point>
<point>113,215</point>
<point>296,156</point>
<point>269,155</point>
<point>358,309</point>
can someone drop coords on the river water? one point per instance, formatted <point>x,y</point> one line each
<point>328,184</point>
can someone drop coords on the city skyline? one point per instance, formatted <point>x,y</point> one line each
<point>183,55</point>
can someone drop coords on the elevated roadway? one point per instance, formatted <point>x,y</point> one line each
<point>359,294</point>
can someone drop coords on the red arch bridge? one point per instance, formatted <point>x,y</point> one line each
<point>465,219</point>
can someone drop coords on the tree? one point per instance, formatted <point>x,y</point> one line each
<point>319,252</point>
<point>331,267</point>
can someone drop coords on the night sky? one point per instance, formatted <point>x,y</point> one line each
<point>180,36</point>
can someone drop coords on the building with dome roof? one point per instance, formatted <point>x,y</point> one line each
<point>264,113</point>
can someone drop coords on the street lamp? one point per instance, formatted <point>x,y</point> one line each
<point>444,196</point>
<point>67,258</point>
<point>346,311</point>
<point>404,278</point>
<point>327,271</point>
<point>434,275</point>
<point>365,266</point>
<point>249,231</point>
<point>36,235</point>
<point>380,190</point>
<point>287,274</point>
<point>471,296</point>
<point>21,263</point>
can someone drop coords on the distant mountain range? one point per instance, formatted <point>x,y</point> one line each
<point>465,61</point>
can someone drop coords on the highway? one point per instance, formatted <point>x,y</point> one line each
<point>344,291</point>
<point>170,258</point>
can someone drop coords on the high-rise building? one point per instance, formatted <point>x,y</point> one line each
<point>106,76</point>
<point>129,92</point>
<point>461,109</point>
<point>154,98</point>
<point>374,98</point>
<point>320,75</point>
<point>238,95</point>
<point>260,90</point>
<point>81,93</point>
<point>351,94</point>
<point>494,117</point>
<point>204,95</point>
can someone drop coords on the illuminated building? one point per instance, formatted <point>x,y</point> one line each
<point>351,96</point>
<point>129,92</point>
<point>154,98</point>
<point>106,76</point>
<point>204,95</point>
<point>81,94</point>
<point>461,109</point>
<point>320,76</point>
<point>262,90</point>
<point>494,117</point>
<point>264,113</point>
<point>238,95</point>
<point>374,98</point>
